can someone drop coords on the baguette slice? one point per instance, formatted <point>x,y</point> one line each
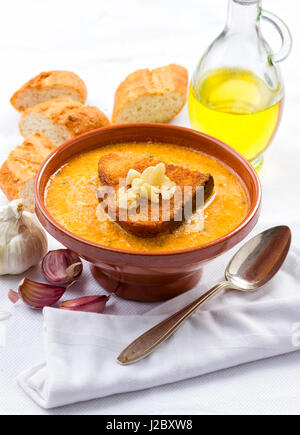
<point>27,195</point>
<point>151,96</point>
<point>61,120</point>
<point>18,171</point>
<point>48,86</point>
<point>115,166</point>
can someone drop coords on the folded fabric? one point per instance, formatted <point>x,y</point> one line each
<point>81,348</point>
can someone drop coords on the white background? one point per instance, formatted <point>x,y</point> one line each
<point>103,41</point>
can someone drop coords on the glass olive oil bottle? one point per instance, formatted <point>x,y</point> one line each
<point>236,93</point>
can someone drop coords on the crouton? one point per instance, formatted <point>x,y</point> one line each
<point>115,166</point>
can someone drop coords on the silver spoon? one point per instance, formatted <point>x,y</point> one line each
<point>251,267</point>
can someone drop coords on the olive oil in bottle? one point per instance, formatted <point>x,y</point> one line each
<point>237,90</point>
<point>237,107</point>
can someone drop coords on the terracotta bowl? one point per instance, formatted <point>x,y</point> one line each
<point>138,275</point>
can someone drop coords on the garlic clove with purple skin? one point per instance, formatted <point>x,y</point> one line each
<point>37,295</point>
<point>89,304</point>
<point>61,266</point>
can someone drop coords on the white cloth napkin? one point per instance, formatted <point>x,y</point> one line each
<point>81,348</point>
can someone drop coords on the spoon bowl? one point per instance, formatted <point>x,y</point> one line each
<point>259,259</point>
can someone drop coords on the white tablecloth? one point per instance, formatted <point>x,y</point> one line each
<point>103,41</point>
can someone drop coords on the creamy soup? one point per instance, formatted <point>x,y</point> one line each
<point>71,199</point>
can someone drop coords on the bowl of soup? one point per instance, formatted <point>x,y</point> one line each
<point>143,268</point>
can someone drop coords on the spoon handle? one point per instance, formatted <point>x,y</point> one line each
<point>154,337</point>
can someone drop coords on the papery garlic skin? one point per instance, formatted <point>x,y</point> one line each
<point>37,294</point>
<point>88,304</point>
<point>61,266</point>
<point>23,242</point>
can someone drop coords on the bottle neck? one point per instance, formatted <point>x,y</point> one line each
<point>243,15</point>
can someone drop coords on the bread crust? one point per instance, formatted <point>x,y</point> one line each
<point>49,80</point>
<point>75,117</point>
<point>170,78</point>
<point>23,164</point>
<point>113,166</point>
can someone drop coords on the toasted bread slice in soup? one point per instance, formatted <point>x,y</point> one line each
<point>115,166</point>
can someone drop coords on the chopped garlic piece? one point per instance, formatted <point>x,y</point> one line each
<point>144,191</point>
<point>150,184</point>
<point>137,182</point>
<point>155,175</point>
<point>132,175</point>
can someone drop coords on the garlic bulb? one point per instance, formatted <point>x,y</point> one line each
<point>23,242</point>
